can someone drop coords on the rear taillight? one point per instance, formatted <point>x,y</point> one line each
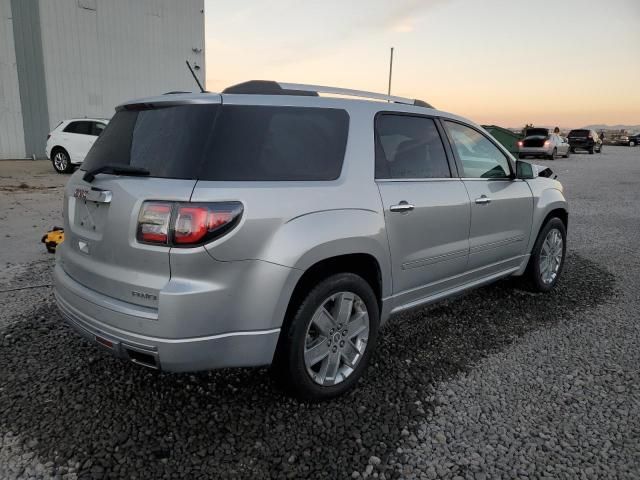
<point>153,222</point>
<point>520,143</point>
<point>186,224</point>
<point>546,143</point>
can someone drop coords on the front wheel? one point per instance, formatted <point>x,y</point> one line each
<point>325,348</point>
<point>547,258</point>
<point>61,161</point>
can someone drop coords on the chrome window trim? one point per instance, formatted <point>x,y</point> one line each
<point>394,180</point>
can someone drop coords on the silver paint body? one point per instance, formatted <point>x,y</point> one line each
<point>223,304</point>
<point>560,144</point>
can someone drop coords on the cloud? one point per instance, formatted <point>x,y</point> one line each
<point>286,31</point>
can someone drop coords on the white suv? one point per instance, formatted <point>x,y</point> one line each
<point>70,141</point>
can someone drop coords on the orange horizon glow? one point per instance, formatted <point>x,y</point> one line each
<point>493,61</point>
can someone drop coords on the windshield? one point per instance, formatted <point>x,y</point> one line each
<point>542,132</point>
<point>214,142</point>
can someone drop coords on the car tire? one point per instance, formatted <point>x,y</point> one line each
<point>553,155</point>
<point>312,342</point>
<point>632,143</point>
<point>591,150</point>
<point>572,150</point>
<point>600,149</point>
<point>61,160</point>
<point>547,257</point>
<point>566,155</point>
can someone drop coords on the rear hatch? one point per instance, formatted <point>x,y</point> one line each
<point>579,137</point>
<point>100,250</point>
<point>535,137</point>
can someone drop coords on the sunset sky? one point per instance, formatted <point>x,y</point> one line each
<point>563,62</point>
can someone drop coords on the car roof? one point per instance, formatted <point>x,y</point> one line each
<point>292,96</point>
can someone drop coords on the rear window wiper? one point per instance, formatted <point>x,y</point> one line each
<point>115,169</point>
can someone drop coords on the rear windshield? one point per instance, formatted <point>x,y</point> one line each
<point>578,133</point>
<point>543,132</point>
<point>225,143</point>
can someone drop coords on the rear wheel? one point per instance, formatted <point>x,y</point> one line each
<point>61,161</point>
<point>547,257</point>
<point>632,143</point>
<point>566,155</point>
<point>325,348</point>
<point>591,150</point>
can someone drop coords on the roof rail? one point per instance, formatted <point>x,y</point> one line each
<point>268,87</point>
<point>354,93</point>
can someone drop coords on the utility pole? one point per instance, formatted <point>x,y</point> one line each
<point>390,71</point>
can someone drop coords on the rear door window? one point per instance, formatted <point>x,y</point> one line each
<point>82,128</point>
<point>211,142</point>
<point>409,147</point>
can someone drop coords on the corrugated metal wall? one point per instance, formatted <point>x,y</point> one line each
<point>11,128</point>
<point>33,94</point>
<point>99,53</point>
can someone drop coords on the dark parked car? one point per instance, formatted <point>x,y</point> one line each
<point>627,140</point>
<point>586,140</point>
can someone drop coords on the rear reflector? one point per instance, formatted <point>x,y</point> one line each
<point>104,341</point>
<point>186,224</point>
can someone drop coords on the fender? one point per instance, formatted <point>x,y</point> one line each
<point>545,201</point>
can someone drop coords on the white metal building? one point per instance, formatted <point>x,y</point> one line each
<point>75,58</point>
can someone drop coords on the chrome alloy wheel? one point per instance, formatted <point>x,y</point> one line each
<point>60,161</point>
<point>336,338</point>
<point>551,256</point>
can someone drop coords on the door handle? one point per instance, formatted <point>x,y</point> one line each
<point>402,207</point>
<point>483,200</point>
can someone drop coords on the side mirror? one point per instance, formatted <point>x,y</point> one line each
<point>524,170</point>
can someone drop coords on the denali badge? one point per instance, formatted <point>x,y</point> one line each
<point>143,295</point>
<point>81,193</point>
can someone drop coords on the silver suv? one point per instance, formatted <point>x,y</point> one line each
<point>268,225</point>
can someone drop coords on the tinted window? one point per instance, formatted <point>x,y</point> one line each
<point>210,142</point>
<point>169,142</point>
<point>83,128</point>
<point>479,156</point>
<point>97,128</point>
<point>409,147</point>
<point>276,143</point>
<point>578,133</point>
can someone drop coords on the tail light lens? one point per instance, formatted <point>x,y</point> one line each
<point>186,224</point>
<point>520,143</point>
<point>153,222</point>
<point>546,143</point>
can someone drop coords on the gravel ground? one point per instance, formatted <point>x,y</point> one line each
<point>497,383</point>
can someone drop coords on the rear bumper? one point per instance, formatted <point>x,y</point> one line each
<point>535,151</point>
<point>92,319</point>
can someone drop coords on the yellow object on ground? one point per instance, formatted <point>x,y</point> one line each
<point>53,238</point>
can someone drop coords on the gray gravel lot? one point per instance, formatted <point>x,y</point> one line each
<point>499,383</point>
